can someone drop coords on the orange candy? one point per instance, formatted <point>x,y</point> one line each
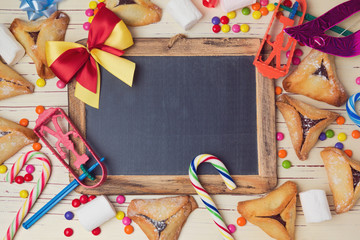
<point>340,120</point>
<point>37,146</point>
<point>282,153</point>
<point>355,134</point>
<point>264,11</point>
<point>39,109</point>
<point>129,229</point>
<point>24,122</point>
<point>241,221</point>
<point>348,152</point>
<point>278,90</point>
<point>256,6</point>
<point>96,11</point>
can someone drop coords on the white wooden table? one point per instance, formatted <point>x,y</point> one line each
<point>309,174</point>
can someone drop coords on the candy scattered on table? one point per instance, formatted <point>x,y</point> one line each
<point>342,137</point>
<point>3,169</point>
<point>76,203</point>
<point>279,14</point>
<point>245,28</point>
<point>286,164</point>
<point>96,231</point>
<point>355,134</point>
<point>298,52</point>
<point>60,84</point>
<point>287,3</point>
<point>288,54</point>
<point>225,28</point>
<point>68,232</point>
<point>129,229</point>
<point>357,80</point>
<point>270,7</point>
<point>236,28</point>
<point>28,177</point>
<point>256,6</point>
<point>224,20</point>
<point>282,153</point>
<point>216,28</point>
<point>120,199</point>
<point>264,11</point>
<point>89,12</point>
<point>84,199</point>
<point>92,4</point>
<point>90,19</point>
<point>24,194</point>
<point>256,14</point>
<point>241,221</point>
<point>231,228</point>
<point>339,145</point>
<point>37,146</point>
<point>101,4</point>
<point>329,133</point>
<point>24,122</point>
<point>30,168</point>
<point>245,11</point>
<point>215,20</point>
<point>86,26</point>
<point>69,215</point>
<point>279,136</point>
<point>231,15</point>
<point>92,197</point>
<point>126,221</point>
<point>120,215</point>
<point>322,136</point>
<point>40,82</point>
<point>278,90</point>
<point>39,109</point>
<point>348,152</point>
<point>340,120</point>
<point>296,61</point>
<point>264,2</point>
<point>19,180</point>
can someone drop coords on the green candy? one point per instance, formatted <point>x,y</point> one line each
<point>286,164</point>
<point>245,11</point>
<point>329,133</point>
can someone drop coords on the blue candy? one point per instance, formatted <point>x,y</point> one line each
<point>69,215</point>
<point>339,145</point>
<point>322,136</point>
<point>215,20</point>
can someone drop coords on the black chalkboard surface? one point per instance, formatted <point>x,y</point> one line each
<point>181,106</point>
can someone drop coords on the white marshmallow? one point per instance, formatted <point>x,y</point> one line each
<point>95,213</point>
<point>232,5</point>
<point>11,50</point>
<point>315,206</point>
<point>184,12</point>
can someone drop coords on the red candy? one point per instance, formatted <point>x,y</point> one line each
<point>287,3</point>
<point>84,199</point>
<point>92,197</point>
<point>76,203</point>
<point>224,20</point>
<point>100,5</point>
<point>68,232</point>
<point>19,179</point>
<point>216,28</point>
<point>96,231</point>
<point>28,177</point>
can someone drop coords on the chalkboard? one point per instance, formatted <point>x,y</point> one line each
<point>180,107</point>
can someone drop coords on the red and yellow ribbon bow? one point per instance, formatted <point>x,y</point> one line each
<point>108,37</point>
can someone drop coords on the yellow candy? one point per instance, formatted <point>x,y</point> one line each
<point>101,0</point>
<point>93,4</point>
<point>244,28</point>
<point>231,15</point>
<point>90,19</point>
<point>3,169</point>
<point>342,137</point>
<point>256,14</point>
<point>24,194</point>
<point>40,82</point>
<point>270,7</point>
<point>120,215</point>
<point>225,28</point>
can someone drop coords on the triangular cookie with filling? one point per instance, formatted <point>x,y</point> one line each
<point>344,176</point>
<point>161,219</point>
<point>316,77</point>
<point>14,137</point>
<point>275,213</point>
<point>135,12</point>
<point>305,123</point>
<point>12,83</point>
<point>34,34</point>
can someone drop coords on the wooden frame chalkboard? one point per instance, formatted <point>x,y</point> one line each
<point>180,184</point>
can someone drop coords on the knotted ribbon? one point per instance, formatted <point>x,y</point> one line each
<point>108,37</point>
<point>38,8</point>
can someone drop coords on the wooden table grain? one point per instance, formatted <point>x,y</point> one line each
<point>309,174</point>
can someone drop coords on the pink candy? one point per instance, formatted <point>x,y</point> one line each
<point>279,136</point>
<point>264,2</point>
<point>231,228</point>
<point>126,221</point>
<point>86,26</point>
<point>60,84</point>
<point>358,80</point>
<point>288,54</point>
<point>296,61</point>
<point>30,168</point>
<point>89,12</point>
<point>236,28</point>
<point>298,52</point>
<point>120,199</point>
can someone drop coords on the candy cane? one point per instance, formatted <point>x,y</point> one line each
<point>209,203</point>
<point>350,108</point>
<point>35,192</point>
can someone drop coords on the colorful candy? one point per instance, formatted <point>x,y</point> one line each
<point>241,221</point>
<point>282,153</point>
<point>224,20</point>
<point>342,137</point>
<point>296,61</point>
<point>24,122</point>
<point>28,177</point>
<point>93,4</point>
<point>96,231</point>
<point>340,120</point>
<point>60,84</point>
<point>205,197</point>
<point>287,3</point>
<point>40,82</point>
<point>35,192</point>
<point>126,221</point>
<point>245,11</point>
<point>278,90</point>
<point>129,229</point>
<point>348,152</point>
<point>69,215</point>
<point>357,80</point>
<point>355,134</point>
<point>231,15</point>
<point>286,164</point>
<point>270,7</point>
<point>339,145</point>
<point>120,215</point>
<point>236,28</point>
<point>322,136</point>
<point>90,19</point>
<point>120,199</point>
<point>256,6</point>
<point>244,28</point>
<point>101,4</point>
<point>215,20</point>
<point>264,11</point>
<point>92,197</point>
<point>264,2</point>
<point>256,14</point>
<point>298,52</point>
<point>329,133</point>
<point>24,194</point>
<point>30,168</point>
<point>68,232</point>
<point>279,136</point>
<point>225,28</point>
<point>84,199</point>
<point>86,26</point>
<point>89,12</point>
<point>19,180</point>
<point>3,169</point>
<point>216,28</point>
<point>231,228</point>
<point>39,109</point>
<point>37,146</point>
<point>76,203</point>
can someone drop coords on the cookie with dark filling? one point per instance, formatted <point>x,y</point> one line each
<point>13,137</point>
<point>161,219</point>
<point>135,12</point>
<point>34,34</point>
<point>316,77</point>
<point>344,176</point>
<point>13,84</point>
<point>305,123</point>
<point>275,213</point>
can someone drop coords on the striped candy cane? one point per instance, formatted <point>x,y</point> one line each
<point>209,203</point>
<point>35,192</point>
<point>350,108</point>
